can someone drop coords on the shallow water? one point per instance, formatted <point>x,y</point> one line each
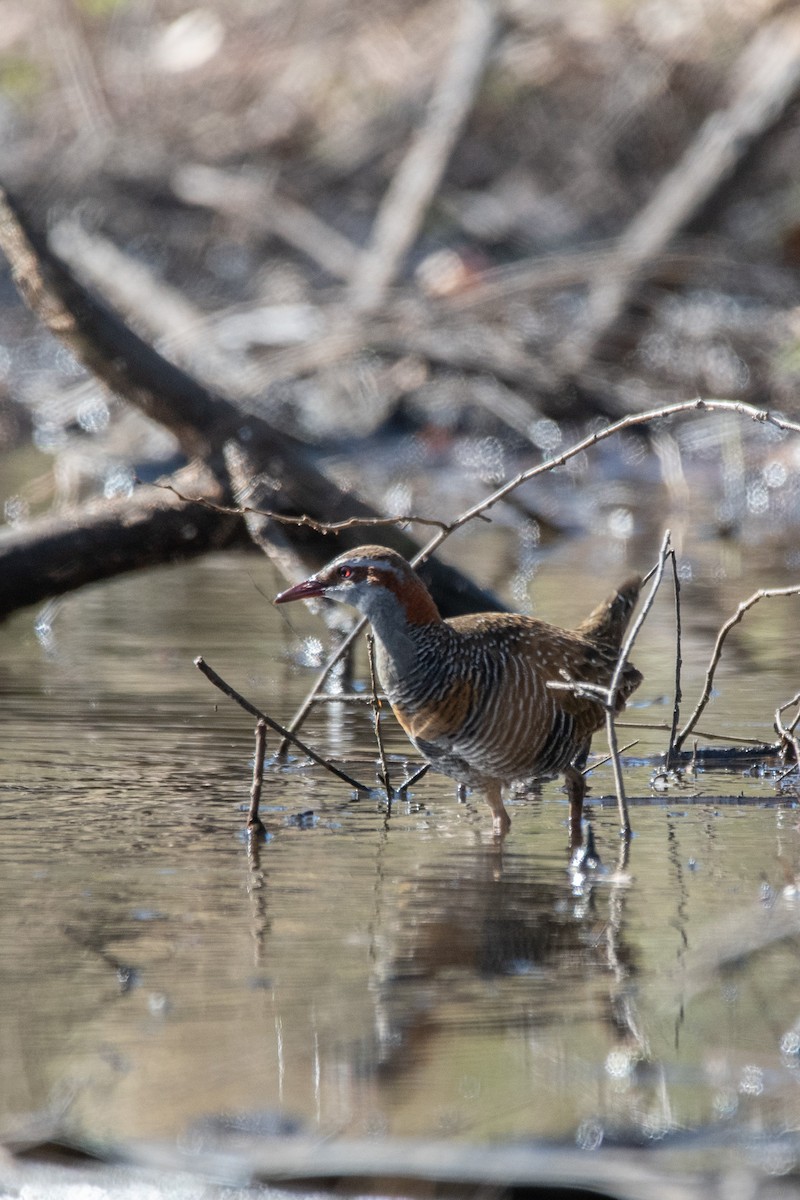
<point>366,971</point>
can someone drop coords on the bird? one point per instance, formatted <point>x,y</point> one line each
<point>474,693</point>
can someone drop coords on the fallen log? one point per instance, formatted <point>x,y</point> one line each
<point>106,537</point>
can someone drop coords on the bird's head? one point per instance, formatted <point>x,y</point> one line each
<point>373,579</point>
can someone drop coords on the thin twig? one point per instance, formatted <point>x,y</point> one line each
<point>571,268</point>
<point>761,594</point>
<point>243,510</point>
<point>676,708</point>
<point>760,415</point>
<point>622,658</point>
<point>601,762</point>
<point>793,725</point>
<point>616,764</point>
<point>787,732</point>
<point>231,692</point>
<point>319,683</point>
<point>414,777</point>
<point>376,712</point>
<point>446,528</point>
<point>664,726</point>
<point>253,820</point>
<point>607,696</point>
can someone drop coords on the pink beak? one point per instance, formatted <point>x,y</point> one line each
<point>306,590</point>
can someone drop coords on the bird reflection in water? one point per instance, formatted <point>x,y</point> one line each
<point>488,918</point>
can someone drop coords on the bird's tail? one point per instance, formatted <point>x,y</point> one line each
<point>607,623</point>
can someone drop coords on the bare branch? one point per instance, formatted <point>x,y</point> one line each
<point>54,554</point>
<point>607,696</point>
<point>203,420</point>
<point>231,692</point>
<point>103,342</point>
<point>761,594</point>
<point>304,520</point>
<point>253,197</point>
<point>762,416</point>
<point>319,683</point>
<point>613,689</point>
<point>607,758</point>
<point>156,308</point>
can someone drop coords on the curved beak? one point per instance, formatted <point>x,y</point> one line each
<point>306,590</point>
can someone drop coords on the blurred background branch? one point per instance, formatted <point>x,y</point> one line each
<point>425,245</point>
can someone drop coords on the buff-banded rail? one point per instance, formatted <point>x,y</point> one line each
<point>472,692</point>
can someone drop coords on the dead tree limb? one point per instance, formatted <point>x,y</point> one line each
<point>764,80</point>
<point>158,310</point>
<point>253,197</point>
<point>103,538</point>
<point>104,344</point>
<point>202,420</point>
<point>415,183</point>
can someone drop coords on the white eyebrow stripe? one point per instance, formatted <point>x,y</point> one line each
<point>381,563</point>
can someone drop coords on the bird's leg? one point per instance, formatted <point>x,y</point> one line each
<point>501,821</point>
<point>576,790</point>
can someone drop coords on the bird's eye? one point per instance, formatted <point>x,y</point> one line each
<point>345,572</point>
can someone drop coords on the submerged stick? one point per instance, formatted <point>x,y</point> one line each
<point>414,777</point>
<point>376,712</point>
<point>254,822</point>
<point>676,706</point>
<point>601,762</point>
<point>232,694</point>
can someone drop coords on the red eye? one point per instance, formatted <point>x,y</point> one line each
<point>345,572</point>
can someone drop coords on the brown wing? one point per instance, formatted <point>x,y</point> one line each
<point>522,724</point>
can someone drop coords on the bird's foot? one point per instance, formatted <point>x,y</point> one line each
<point>584,855</point>
<point>501,823</point>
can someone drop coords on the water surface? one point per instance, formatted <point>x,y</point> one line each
<point>367,971</point>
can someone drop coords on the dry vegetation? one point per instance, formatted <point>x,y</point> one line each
<point>410,236</point>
